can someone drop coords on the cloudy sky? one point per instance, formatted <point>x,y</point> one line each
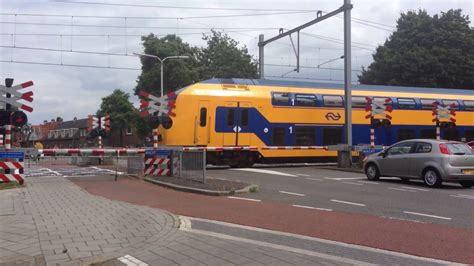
<point>78,51</point>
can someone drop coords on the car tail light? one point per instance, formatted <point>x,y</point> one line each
<point>443,149</point>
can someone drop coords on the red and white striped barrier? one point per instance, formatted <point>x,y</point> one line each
<point>55,152</point>
<point>12,178</point>
<point>157,166</point>
<point>1,139</point>
<point>243,148</point>
<point>11,167</point>
<point>8,137</point>
<point>294,148</point>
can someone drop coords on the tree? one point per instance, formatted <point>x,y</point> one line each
<point>222,58</point>
<point>177,72</point>
<point>121,111</point>
<point>426,51</point>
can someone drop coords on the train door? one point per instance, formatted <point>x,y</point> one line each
<point>201,124</point>
<point>237,121</point>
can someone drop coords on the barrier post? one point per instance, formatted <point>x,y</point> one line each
<point>372,137</point>
<point>438,132</point>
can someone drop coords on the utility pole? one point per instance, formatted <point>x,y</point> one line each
<point>347,81</point>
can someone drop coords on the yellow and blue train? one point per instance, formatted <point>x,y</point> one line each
<point>265,114</point>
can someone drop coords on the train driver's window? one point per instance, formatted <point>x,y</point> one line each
<point>202,117</point>
<point>305,100</point>
<point>281,98</point>
<point>427,104</point>
<point>469,105</point>
<point>279,136</point>
<point>406,103</point>
<point>359,102</point>
<point>333,101</point>
<point>230,118</point>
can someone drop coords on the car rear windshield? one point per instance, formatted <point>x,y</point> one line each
<point>459,148</point>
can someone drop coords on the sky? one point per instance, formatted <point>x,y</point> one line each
<point>78,51</point>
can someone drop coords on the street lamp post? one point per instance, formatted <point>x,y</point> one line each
<point>162,61</point>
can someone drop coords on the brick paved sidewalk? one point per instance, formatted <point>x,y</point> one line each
<point>53,221</point>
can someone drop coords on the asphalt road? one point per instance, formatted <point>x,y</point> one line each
<point>331,190</point>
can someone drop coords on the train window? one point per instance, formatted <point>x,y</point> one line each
<point>202,117</point>
<point>451,134</point>
<point>428,134</point>
<point>405,133</point>
<point>280,98</point>
<point>230,117</point>
<point>449,102</point>
<point>279,136</point>
<point>333,101</point>
<point>305,136</point>
<point>332,136</point>
<point>406,103</point>
<point>469,135</point>
<point>359,102</point>
<point>427,104</point>
<point>245,117</point>
<point>305,100</point>
<point>469,105</point>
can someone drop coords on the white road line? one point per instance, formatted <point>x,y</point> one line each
<point>131,261</point>
<point>313,208</point>
<point>302,175</point>
<point>414,188</point>
<point>401,189</point>
<point>463,196</point>
<point>369,182</point>
<point>348,202</point>
<point>427,215</point>
<point>469,196</point>
<point>239,198</point>
<point>314,179</point>
<point>343,178</point>
<point>263,171</point>
<point>352,183</point>
<point>291,193</point>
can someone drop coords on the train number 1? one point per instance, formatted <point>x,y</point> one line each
<point>291,130</point>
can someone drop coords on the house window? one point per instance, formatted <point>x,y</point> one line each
<point>128,131</point>
<point>332,136</point>
<point>279,136</point>
<point>305,136</point>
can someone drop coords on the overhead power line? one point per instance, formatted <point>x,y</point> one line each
<point>68,65</point>
<point>311,67</point>
<point>184,7</point>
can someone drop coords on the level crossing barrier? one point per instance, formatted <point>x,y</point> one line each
<point>11,165</point>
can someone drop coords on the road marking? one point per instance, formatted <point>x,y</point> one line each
<point>239,198</point>
<point>185,225</point>
<point>369,182</point>
<point>428,215</point>
<point>313,208</point>
<point>401,189</point>
<point>342,178</point>
<point>263,171</point>
<point>131,261</point>
<point>463,196</point>
<point>314,179</point>
<point>348,202</point>
<point>352,183</point>
<point>302,175</point>
<point>414,188</point>
<point>291,193</point>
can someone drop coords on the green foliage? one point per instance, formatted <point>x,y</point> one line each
<point>121,111</point>
<point>426,51</point>
<point>222,58</point>
<point>177,72</point>
<point>254,189</point>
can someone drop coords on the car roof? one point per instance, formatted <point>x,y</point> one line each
<point>429,141</point>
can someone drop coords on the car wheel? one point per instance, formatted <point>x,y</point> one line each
<point>372,172</point>
<point>467,184</point>
<point>432,178</point>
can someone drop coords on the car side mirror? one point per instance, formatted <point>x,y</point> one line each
<point>383,154</point>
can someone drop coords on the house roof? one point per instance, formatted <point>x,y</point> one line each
<point>78,123</point>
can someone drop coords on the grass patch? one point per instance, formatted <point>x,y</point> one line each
<point>253,189</point>
<point>9,185</point>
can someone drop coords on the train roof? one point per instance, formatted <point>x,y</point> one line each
<point>306,84</point>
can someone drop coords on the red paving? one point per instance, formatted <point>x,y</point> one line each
<point>426,240</point>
